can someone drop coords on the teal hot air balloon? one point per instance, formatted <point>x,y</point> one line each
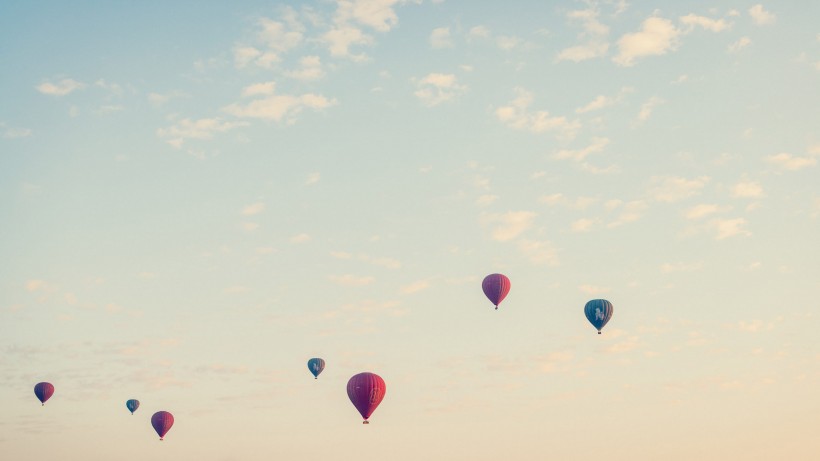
<point>598,312</point>
<point>132,405</point>
<point>316,365</point>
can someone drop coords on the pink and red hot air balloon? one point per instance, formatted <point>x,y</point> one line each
<point>43,391</point>
<point>496,287</point>
<point>366,391</point>
<point>162,422</point>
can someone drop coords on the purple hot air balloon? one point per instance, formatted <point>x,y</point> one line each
<point>43,391</point>
<point>366,391</point>
<point>496,287</point>
<point>162,422</point>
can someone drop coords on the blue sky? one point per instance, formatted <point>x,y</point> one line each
<point>198,197</point>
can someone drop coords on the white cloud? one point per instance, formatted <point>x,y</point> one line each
<point>266,88</point>
<point>13,133</point>
<point>630,212</point>
<point>196,129</point>
<point>506,42</point>
<point>158,99</point>
<point>244,55</point>
<point>747,189</point>
<point>253,209</point>
<point>479,32</point>
<point>278,107</point>
<point>350,280</point>
<point>341,38</point>
<point>281,36</point>
<point>415,287</point>
<point>714,25</point>
<point>437,88</point>
<point>510,225</point>
<point>538,252</point>
<point>674,189</point>
<point>582,225</point>
<point>594,37</point>
<point>656,37</point>
<point>761,16</point>
<point>726,228</point>
<point>593,289</point>
<point>486,199</point>
<point>790,162</point>
<point>740,44</point>
<point>377,14</point>
<point>61,88</point>
<point>667,268</point>
<point>250,226</point>
<point>518,116</point>
<point>648,107</point>
<point>300,238</point>
<point>598,145</point>
<point>313,178</point>
<point>310,68</point>
<point>440,38</point>
<point>701,211</point>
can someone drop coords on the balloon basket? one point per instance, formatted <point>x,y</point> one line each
<point>365,422</point>
<point>599,332</point>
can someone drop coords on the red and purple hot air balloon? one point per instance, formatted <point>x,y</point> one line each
<point>366,391</point>
<point>162,422</point>
<point>496,287</point>
<point>43,391</point>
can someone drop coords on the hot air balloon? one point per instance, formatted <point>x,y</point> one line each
<point>316,365</point>
<point>43,391</point>
<point>496,287</point>
<point>598,312</point>
<point>132,405</point>
<point>366,391</point>
<point>162,422</point>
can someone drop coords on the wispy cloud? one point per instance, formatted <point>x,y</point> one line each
<point>300,238</point>
<point>14,133</point>
<point>628,212</point>
<point>415,287</point>
<point>597,145</point>
<point>594,41</point>
<point>760,16</point>
<point>350,280</point>
<point>674,189</point>
<point>253,209</point>
<point>203,129</point>
<point>791,162</point>
<point>440,38</point>
<point>648,107</point>
<point>726,228</point>
<point>507,226</point>
<point>436,88</point>
<point>668,268</point>
<point>701,211</point>
<point>714,25</point>
<point>740,44</point>
<point>310,69</point>
<point>517,115</point>
<point>747,189</point>
<point>313,178</point>
<point>278,107</point>
<point>61,87</point>
<point>538,252</point>
<point>656,37</point>
<point>602,101</point>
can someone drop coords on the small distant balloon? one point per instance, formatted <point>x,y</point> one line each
<point>316,365</point>
<point>43,391</point>
<point>162,422</point>
<point>366,391</point>
<point>132,405</point>
<point>496,287</point>
<point>598,312</point>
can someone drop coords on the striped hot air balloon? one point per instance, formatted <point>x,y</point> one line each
<point>132,405</point>
<point>366,391</point>
<point>598,312</point>
<point>496,287</point>
<point>162,422</point>
<point>316,365</point>
<point>43,391</point>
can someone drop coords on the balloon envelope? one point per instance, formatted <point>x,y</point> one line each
<point>43,391</point>
<point>366,391</point>
<point>162,422</point>
<point>132,405</point>
<point>598,312</point>
<point>316,365</point>
<point>496,287</point>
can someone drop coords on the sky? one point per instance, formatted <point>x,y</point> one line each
<point>196,197</point>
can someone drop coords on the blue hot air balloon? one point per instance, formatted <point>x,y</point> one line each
<point>316,365</point>
<point>598,312</point>
<point>132,405</point>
